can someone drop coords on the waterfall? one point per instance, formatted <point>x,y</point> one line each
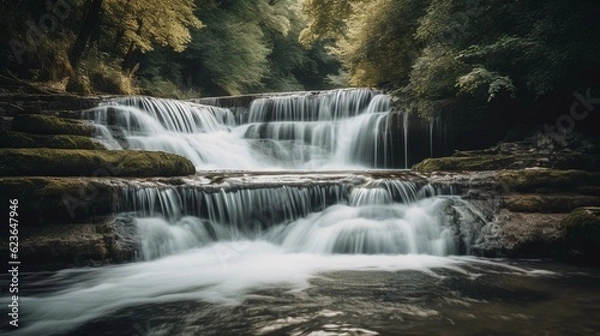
<point>405,126</point>
<point>372,216</point>
<point>339,129</point>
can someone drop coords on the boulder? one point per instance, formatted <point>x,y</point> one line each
<point>60,246</point>
<point>581,230</point>
<point>548,203</point>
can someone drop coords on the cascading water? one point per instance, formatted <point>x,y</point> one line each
<point>232,239</point>
<point>377,216</point>
<point>338,129</point>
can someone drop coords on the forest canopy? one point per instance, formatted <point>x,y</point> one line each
<point>162,47</point>
<point>433,55</point>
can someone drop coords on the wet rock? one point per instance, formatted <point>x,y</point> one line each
<point>581,230</point>
<point>24,140</point>
<point>62,246</point>
<point>521,235</point>
<point>547,180</point>
<point>61,162</point>
<point>44,124</point>
<point>548,203</point>
<point>47,201</point>
<point>466,163</point>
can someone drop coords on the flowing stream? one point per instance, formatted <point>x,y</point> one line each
<point>293,254</point>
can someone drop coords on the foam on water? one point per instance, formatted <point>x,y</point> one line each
<point>220,273</point>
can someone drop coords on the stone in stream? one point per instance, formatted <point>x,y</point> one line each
<point>581,230</point>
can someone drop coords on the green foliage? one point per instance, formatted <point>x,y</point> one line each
<point>252,45</point>
<point>432,80</point>
<point>117,45</point>
<point>231,52</point>
<point>97,72</point>
<point>380,48</point>
<point>326,19</point>
<point>142,24</point>
<point>473,81</point>
<point>468,55</point>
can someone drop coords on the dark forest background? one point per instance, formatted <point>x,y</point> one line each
<point>531,61</point>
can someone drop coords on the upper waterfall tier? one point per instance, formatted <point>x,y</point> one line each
<point>332,105</point>
<point>339,129</point>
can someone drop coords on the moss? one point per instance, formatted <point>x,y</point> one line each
<point>46,200</point>
<point>43,124</point>
<point>110,240</point>
<point>62,162</point>
<point>453,163</point>
<point>548,203</point>
<point>582,235</point>
<point>63,245</point>
<point>547,179</point>
<point>25,140</point>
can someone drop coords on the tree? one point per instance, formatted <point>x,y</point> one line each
<point>140,25</point>
<point>90,24</point>
<point>252,45</point>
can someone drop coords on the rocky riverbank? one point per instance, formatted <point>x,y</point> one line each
<point>68,222</point>
<point>549,194</point>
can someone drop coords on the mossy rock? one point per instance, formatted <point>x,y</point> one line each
<point>582,235</point>
<point>44,124</point>
<point>548,203</point>
<point>25,140</point>
<point>46,200</point>
<point>458,163</point>
<point>70,244</point>
<point>532,180</point>
<point>64,162</point>
<point>107,241</point>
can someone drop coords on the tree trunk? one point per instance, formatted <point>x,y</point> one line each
<point>90,24</point>
<point>128,63</point>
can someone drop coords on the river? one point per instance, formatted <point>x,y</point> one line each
<point>316,252</point>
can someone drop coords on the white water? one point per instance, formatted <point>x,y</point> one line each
<point>221,273</point>
<point>391,228</point>
<point>340,129</point>
<point>202,245</point>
